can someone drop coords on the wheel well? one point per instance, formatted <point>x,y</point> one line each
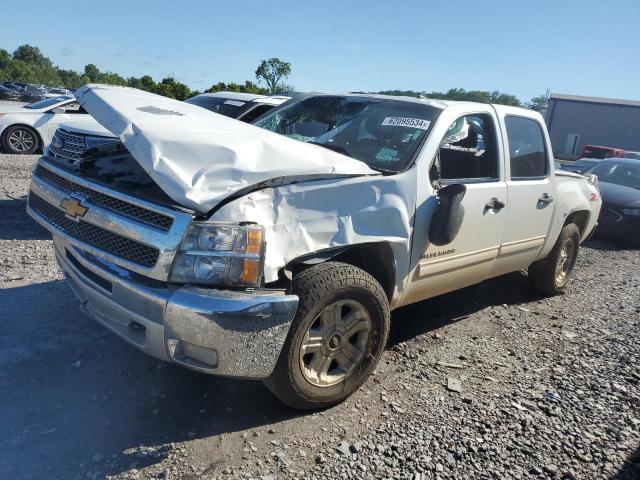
<point>374,258</point>
<point>580,218</point>
<point>4,133</point>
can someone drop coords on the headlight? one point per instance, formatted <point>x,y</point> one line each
<point>220,254</point>
<point>631,211</point>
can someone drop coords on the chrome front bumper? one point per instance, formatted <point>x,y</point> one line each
<point>221,332</point>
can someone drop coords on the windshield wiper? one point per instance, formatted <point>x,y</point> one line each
<point>335,148</point>
<point>382,170</point>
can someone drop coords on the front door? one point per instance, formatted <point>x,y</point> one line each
<point>470,153</point>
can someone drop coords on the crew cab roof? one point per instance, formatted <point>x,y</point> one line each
<point>442,104</point>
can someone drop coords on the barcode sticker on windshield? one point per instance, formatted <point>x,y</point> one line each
<point>407,122</point>
<point>235,103</point>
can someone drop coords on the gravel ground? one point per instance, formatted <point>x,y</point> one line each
<point>548,387</point>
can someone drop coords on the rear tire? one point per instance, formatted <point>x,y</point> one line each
<point>336,339</point>
<point>551,275</point>
<point>20,140</point>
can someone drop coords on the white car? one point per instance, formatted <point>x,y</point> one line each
<point>26,128</point>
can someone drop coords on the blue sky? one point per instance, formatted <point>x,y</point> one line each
<point>521,47</point>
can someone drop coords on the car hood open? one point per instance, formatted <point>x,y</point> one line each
<point>199,157</point>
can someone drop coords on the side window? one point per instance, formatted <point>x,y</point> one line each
<point>251,115</point>
<point>526,148</point>
<point>468,150</point>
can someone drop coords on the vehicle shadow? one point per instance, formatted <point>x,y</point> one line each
<point>428,315</point>
<point>631,468</point>
<point>601,243</point>
<point>15,224</point>
<point>76,398</point>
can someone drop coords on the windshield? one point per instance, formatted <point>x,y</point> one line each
<point>47,102</point>
<point>383,133</point>
<point>223,106</point>
<point>626,174</point>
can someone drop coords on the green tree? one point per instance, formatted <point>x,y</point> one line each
<point>111,78</point>
<point>540,103</point>
<point>92,72</point>
<point>31,55</point>
<point>147,83</point>
<point>272,72</point>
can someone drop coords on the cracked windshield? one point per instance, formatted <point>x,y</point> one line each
<point>383,133</point>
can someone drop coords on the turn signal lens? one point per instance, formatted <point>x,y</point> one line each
<point>251,271</point>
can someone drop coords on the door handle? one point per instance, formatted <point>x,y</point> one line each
<point>494,204</point>
<point>545,198</point>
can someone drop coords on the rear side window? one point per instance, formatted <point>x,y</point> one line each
<point>526,148</point>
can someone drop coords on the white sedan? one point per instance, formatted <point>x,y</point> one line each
<point>26,128</point>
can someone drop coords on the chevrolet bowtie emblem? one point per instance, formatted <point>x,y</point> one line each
<point>73,208</point>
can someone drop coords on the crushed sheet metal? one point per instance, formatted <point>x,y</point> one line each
<point>307,217</point>
<point>199,157</point>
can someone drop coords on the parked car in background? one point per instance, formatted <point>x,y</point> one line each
<point>24,129</point>
<point>635,155</point>
<point>19,86</point>
<point>7,93</point>
<point>33,93</point>
<point>57,92</point>
<point>241,106</point>
<point>581,165</point>
<point>597,151</point>
<point>277,250</point>
<point>619,181</point>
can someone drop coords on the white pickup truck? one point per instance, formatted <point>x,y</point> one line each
<point>277,251</point>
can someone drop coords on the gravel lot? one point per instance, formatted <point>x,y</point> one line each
<point>550,387</point>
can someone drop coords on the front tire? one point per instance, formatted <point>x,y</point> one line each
<point>20,140</point>
<point>551,275</point>
<point>336,339</point>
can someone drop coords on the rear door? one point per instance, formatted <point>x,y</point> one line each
<point>530,188</point>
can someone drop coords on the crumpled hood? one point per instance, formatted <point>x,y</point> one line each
<point>199,157</point>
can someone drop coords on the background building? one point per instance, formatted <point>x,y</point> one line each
<point>575,121</point>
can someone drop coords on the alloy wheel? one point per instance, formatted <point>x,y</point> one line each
<point>565,261</point>
<point>21,140</point>
<point>335,343</point>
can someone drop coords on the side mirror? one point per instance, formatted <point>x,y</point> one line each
<point>447,219</point>
<point>58,110</point>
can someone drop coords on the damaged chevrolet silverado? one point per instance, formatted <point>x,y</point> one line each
<point>276,251</point>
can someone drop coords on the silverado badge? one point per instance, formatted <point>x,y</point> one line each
<point>73,208</point>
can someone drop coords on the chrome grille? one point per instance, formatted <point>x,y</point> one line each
<point>608,215</point>
<point>73,145</point>
<point>95,236</point>
<point>150,217</point>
